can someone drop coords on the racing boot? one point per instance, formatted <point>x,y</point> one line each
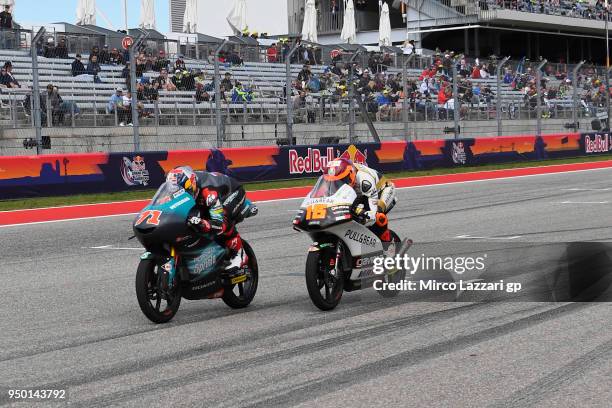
<point>239,257</point>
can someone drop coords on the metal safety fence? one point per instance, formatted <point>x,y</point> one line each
<point>243,93</point>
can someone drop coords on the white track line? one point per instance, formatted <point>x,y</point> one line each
<point>301,198</point>
<point>488,238</point>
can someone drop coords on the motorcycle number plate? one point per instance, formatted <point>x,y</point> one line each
<point>316,212</point>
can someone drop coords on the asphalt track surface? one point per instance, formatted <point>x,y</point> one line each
<point>71,319</point>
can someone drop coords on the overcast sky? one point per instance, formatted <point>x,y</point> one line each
<point>262,15</point>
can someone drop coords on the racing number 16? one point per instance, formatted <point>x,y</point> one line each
<point>316,212</point>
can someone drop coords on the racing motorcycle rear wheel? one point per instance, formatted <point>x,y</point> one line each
<point>397,277</point>
<point>240,295</point>
<point>324,279</point>
<point>158,304</point>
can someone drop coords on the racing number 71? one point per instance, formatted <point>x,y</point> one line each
<point>316,212</point>
<point>150,216</point>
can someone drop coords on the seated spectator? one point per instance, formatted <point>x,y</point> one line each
<point>104,57</point>
<point>56,106</point>
<point>6,80</point>
<point>77,67</point>
<point>115,57</point>
<point>117,103</point>
<point>200,94</point>
<point>508,77</point>
<point>233,58</point>
<point>141,64</point>
<point>49,48</point>
<point>314,85</point>
<point>164,82</point>
<point>476,72</point>
<point>227,82</point>
<point>162,62</point>
<point>61,51</point>
<point>93,68</point>
<point>241,94</point>
<point>8,66</point>
<point>179,64</point>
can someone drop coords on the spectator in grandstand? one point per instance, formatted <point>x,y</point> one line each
<point>240,94</point>
<point>141,64</point>
<point>6,18</point>
<point>272,53</point>
<point>115,57</point>
<point>200,94</point>
<point>8,66</point>
<point>93,68</point>
<point>165,82</point>
<point>61,51</point>
<point>104,57</point>
<point>95,52</point>
<point>117,105</point>
<point>27,106</point>
<point>408,47</point>
<point>199,77</point>
<point>60,107</point>
<point>226,83</point>
<point>49,48</point>
<point>6,80</point>
<point>233,58</point>
<point>179,64</point>
<point>161,62</point>
<point>305,74</point>
<point>77,67</point>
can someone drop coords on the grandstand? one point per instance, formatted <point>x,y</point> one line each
<point>187,117</point>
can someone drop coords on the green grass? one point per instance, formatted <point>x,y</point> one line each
<point>144,194</point>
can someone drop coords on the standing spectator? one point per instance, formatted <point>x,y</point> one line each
<point>104,57</point>
<point>6,18</point>
<point>6,24</point>
<point>95,52</point>
<point>61,51</point>
<point>49,48</point>
<point>272,53</point>
<point>58,106</point>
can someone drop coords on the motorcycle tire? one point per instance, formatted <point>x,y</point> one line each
<point>246,289</point>
<point>316,265</point>
<point>146,290</point>
<point>395,278</point>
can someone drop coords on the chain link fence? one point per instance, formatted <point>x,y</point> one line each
<point>235,94</point>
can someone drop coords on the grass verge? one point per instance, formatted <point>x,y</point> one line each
<point>144,194</point>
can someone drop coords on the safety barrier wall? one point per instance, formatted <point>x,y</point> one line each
<point>45,175</point>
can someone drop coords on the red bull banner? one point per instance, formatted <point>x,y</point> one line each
<point>32,176</point>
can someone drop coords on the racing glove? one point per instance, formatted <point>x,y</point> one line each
<point>367,218</point>
<point>202,224</point>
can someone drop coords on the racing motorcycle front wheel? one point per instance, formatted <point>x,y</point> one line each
<point>324,279</point>
<point>240,294</point>
<point>159,304</point>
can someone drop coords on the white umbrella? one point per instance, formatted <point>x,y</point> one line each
<point>10,3</point>
<point>147,14</point>
<point>237,17</point>
<point>349,32</point>
<point>384,27</point>
<point>190,20</point>
<point>86,12</point>
<point>309,28</point>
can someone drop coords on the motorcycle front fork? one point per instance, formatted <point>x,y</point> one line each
<point>169,268</point>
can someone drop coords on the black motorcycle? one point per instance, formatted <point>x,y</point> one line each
<point>180,262</point>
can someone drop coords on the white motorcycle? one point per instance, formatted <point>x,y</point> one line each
<point>341,258</point>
